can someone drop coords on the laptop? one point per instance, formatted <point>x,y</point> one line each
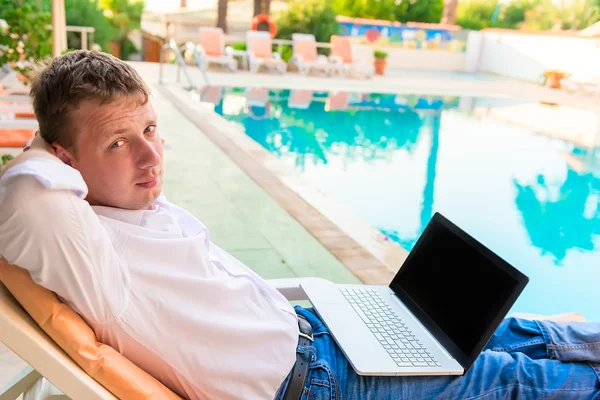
<point>436,315</point>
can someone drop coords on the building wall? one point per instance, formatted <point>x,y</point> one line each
<point>415,58</point>
<point>526,56</point>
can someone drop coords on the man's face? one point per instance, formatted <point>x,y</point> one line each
<point>119,153</point>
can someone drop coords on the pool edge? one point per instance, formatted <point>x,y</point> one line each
<point>360,247</point>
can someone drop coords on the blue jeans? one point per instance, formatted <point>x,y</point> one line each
<point>523,360</point>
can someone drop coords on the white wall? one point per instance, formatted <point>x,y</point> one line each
<point>527,56</point>
<point>417,59</point>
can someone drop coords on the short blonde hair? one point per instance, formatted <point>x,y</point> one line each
<point>58,87</point>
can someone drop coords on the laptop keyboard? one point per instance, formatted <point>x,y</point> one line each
<point>395,337</point>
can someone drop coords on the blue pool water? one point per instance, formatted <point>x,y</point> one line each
<point>395,160</point>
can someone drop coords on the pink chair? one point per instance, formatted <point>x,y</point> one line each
<point>260,52</point>
<point>300,99</point>
<point>213,50</point>
<point>337,101</point>
<point>343,59</point>
<point>305,55</point>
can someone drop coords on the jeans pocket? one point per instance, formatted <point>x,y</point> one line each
<point>321,383</point>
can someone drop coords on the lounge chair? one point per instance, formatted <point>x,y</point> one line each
<point>17,125</point>
<point>213,51</point>
<point>260,52</point>
<point>211,94</point>
<point>18,91</point>
<point>305,55</point>
<point>337,101</point>
<point>257,96</point>
<point>344,61</point>
<point>300,99</point>
<point>66,361</point>
<point>16,110</point>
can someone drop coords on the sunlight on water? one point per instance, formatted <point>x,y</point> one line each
<point>395,160</point>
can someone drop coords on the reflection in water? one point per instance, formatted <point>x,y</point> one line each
<point>561,218</point>
<point>310,129</point>
<point>428,191</point>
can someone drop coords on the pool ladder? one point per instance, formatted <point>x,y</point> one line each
<point>179,52</point>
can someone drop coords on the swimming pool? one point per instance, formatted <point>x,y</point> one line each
<point>394,160</point>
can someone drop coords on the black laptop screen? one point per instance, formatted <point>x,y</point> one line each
<point>458,288</point>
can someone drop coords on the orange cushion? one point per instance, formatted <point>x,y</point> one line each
<point>307,49</point>
<point>28,115</point>
<point>260,47</point>
<point>103,363</point>
<point>342,47</point>
<point>211,41</point>
<point>15,137</point>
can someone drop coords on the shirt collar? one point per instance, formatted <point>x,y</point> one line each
<point>51,173</point>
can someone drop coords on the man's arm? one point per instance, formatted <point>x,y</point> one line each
<point>48,229</point>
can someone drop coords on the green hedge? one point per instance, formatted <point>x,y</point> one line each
<point>310,16</point>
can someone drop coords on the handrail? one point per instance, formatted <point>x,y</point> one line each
<point>172,46</point>
<point>196,53</point>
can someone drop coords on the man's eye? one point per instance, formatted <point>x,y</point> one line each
<point>117,144</point>
<point>150,128</point>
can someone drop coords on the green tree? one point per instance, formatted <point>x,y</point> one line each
<point>420,11</point>
<point>310,16</point>
<point>514,14</point>
<point>475,14</point>
<point>262,7</point>
<point>222,15</point>
<point>539,17</point>
<point>126,16</point>
<point>449,13</point>
<point>576,14</point>
<point>89,13</point>
<point>535,15</point>
<point>28,38</point>
<point>86,13</point>
<point>391,10</point>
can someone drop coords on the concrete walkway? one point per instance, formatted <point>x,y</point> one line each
<point>439,83</point>
<point>241,217</point>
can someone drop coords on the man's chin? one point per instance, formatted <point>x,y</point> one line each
<point>150,197</point>
<point>144,201</point>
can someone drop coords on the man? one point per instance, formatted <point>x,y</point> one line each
<point>83,212</point>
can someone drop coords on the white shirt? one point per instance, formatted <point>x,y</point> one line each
<point>150,283</point>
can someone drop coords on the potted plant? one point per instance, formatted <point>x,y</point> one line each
<point>380,61</point>
<point>553,77</point>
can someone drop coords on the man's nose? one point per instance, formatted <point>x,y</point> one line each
<point>148,156</point>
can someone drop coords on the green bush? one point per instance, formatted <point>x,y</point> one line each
<point>420,11</point>
<point>88,13</point>
<point>125,16</point>
<point>28,39</point>
<point>4,159</point>
<point>309,16</point>
<point>392,10</point>
<point>241,46</point>
<point>475,14</point>
<point>527,14</point>
<point>287,52</point>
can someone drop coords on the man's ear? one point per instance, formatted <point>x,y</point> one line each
<point>64,154</point>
